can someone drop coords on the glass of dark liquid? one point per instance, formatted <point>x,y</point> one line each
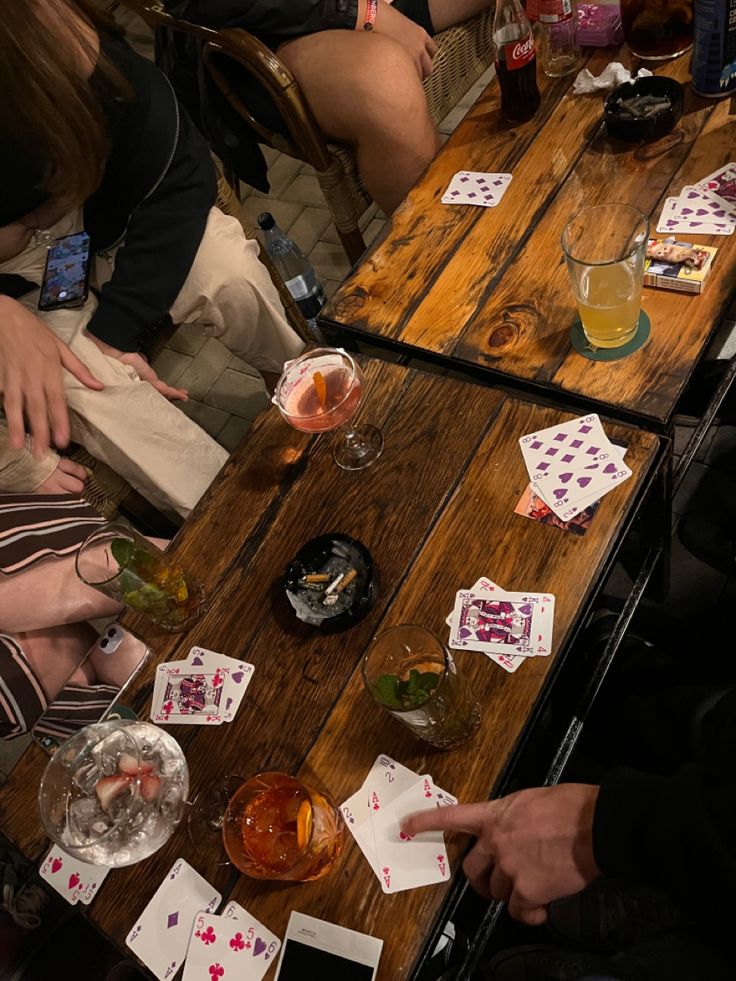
<point>656,30</point>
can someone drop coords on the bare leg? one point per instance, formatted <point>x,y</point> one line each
<point>50,594</point>
<point>445,13</point>
<point>364,89</point>
<point>57,655</point>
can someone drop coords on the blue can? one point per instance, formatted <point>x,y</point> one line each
<point>714,48</point>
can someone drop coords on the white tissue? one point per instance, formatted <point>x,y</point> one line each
<point>611,76</point>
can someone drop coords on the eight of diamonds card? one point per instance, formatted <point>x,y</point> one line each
<point>471,187</point>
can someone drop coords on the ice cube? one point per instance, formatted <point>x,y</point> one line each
<point>86,820</point>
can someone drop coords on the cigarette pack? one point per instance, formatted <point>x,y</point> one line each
<point>679,276</point>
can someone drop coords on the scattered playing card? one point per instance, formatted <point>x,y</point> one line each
<point>315,950</point>
<point>695,221</point>
<point>234,945</point>
<point>721,186</point>
<point>408,861</point>
<point>76,881</point>
<point>503,623</point>
<point>161,935</point>
<point>509,662</point>
<point>387,782</point>
<point>206,689</point>
<point>471,187</point>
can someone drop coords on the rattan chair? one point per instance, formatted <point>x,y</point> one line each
<point>464,53</point>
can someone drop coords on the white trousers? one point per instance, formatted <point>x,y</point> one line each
<point>129,425</point>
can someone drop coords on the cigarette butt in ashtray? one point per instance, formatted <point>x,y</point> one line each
<point>314,577</point>
<point>340,583</point>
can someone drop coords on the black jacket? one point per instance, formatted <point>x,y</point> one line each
<point>677,832</point>
<point>272,21</point>
<point>158,187</point>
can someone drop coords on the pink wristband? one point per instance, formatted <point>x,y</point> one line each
<point>371,9</point>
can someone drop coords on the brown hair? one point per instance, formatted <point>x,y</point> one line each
<point>49,110</point>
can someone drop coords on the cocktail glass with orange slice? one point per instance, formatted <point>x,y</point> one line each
<point>275,827</point>
<point>321,391</point>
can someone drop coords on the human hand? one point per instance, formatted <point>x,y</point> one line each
<point>143,369</point>
<point>533,846</point>
<point>68,478</point>
<point>31,362</point>
<point>413,38</point>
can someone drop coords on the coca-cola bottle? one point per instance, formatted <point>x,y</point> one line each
<point>516,62</point>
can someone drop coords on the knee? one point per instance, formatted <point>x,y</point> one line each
<point>386,90</point>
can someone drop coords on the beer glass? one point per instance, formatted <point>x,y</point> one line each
<point>605,247</point>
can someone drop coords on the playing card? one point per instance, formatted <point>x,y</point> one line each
<point>76,881</point>
<point>577,443</point>
<point>504,623</point>
<point>472,187</point>
<point>235,946</point>
<point>238,679</point>
<point>191,696</point>
<point>672,221</point>
<point>568,492</point>
<point>694,203</point>
<point>391,779</point>
<point>405,861</point>
<point>161,935</point>
<point>509,662</point>
<point>721,185</point>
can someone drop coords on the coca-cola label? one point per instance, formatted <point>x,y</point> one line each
<point>519,53</point>
<point>555,11</point>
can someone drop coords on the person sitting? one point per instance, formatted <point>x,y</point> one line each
<point>360,65</point>
<point>91,136</point>
<point>53,664</point>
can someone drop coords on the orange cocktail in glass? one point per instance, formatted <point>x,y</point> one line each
<point>276,828</point>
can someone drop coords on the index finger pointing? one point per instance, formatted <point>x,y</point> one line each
<point>462,817</point>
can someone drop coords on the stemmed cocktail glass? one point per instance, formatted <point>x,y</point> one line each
<point>321,391</point>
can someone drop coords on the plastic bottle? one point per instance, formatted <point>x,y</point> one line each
<point>559,51</point>
<point>295,270</point>
<point>516,62</point>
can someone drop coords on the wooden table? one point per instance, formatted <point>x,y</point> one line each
<point>487,289</point>
<point>436,512</point>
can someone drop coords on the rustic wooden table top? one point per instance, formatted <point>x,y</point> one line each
<point>436,512</point>
<point>488,287</point>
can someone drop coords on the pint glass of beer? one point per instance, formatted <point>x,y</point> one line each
<point>604,248</point>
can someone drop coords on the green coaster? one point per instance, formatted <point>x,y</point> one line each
<point>582,345</point>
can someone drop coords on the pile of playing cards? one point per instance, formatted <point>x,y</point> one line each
<point>76,881</point>
<point>373,815</point>
<point>179,923</point>
<point>204,690</point>
<point>705,208</point>
<point>572,465</point>
<point>471,187</point>
<point>506,627</point>
<point>233,945</point>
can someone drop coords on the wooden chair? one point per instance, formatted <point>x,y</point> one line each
<point>464,53</point>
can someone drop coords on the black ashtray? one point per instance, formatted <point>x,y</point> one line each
<point>620,122</point>
<point>320,572</point>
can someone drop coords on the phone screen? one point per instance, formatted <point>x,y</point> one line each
<point>298,961</point>
<point>67,271</point>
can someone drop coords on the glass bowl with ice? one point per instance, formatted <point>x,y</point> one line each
<point>113,793</point>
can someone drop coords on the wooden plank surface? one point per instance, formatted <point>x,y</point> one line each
<point>488,286</point>
<point>436,513</point>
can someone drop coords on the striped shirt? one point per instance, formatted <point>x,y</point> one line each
<point>34,527</point>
